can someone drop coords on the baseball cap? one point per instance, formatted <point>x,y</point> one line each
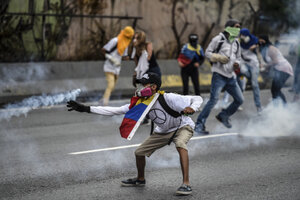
<point>151,78</point>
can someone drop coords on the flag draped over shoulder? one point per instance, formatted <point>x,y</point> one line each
<point>138,109</point>
<point>188,53</point>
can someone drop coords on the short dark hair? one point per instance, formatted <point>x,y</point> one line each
<point>232,22</point>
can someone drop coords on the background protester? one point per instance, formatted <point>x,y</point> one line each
<point>225,54</point>
<point>114,50</point>
<point>249,44</point>
<point>143,55</point>
<point>274,60</point>
<point>189,60</point>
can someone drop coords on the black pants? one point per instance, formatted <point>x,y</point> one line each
<point>278,82</point>
<point>190,71</point>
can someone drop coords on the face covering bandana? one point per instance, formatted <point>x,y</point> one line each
<point>233,33</point>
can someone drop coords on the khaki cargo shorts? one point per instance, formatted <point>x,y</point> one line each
<point>157,141</point>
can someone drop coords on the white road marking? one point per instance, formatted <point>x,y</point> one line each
<point>135,145</point>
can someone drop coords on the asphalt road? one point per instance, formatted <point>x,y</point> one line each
<point>55,154</point>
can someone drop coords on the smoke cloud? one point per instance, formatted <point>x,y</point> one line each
<point>276,120</point>
<point>23,107</point>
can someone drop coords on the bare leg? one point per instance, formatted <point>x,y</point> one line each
<point>184,162</point>
<point>140,165</point>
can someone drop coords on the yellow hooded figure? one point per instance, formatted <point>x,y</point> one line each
<point>124,39</point>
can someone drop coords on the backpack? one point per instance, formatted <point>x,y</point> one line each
<point>170,111</point>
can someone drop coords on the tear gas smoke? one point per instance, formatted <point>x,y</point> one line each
<point>276,120</point>
<point>34,102</point>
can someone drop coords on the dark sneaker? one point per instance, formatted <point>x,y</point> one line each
<point>133,182</point>
<point>224,121</point>
<point>200,129</point>
<point>184,190</point>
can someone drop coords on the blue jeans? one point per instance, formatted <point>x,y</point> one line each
<point>279,79</point>
<point>252,74</point>
<point>297,77</point>
<point>219,82</point>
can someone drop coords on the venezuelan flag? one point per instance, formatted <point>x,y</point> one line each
<point>138,110</point>
<point>188,53</point>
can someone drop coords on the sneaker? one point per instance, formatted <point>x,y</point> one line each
<point>224,121</point>
<point>200,129</point>
<point>133,182</point>
<point>184,190</point>
<point>259,110</point>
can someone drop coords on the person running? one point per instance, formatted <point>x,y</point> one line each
<point>225,54</point>
<point>282,69</point>
<point>114,50</point>
<point>178,129</point>
<point>189,60</point>
<point>249,44</point>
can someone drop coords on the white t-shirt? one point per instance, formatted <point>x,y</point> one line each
<point>163,121</point>
<point>108,65</point>
<point>143,65</point>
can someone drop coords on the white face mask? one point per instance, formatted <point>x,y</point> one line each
<point>246,39</point>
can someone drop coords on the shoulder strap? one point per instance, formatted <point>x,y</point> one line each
<point>219,45</point>
<point>152,127</point>
<point>112,49</point>
<point>238,46</point>
<point>170,111</point>
<point>167,108</point>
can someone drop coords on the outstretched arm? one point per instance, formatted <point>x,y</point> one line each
<point>109,111</point>
<point>101,110</point>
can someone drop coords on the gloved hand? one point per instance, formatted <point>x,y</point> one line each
<point>73,105</point>
<point>215,57</point>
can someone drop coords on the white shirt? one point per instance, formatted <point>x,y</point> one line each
<point>109,66</point>
<point>163,121</point>
<point>143,65</point>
